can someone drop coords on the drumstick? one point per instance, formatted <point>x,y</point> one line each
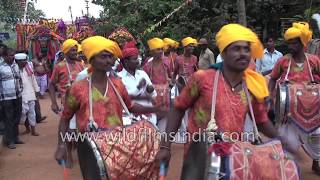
<point>65,173</point>
<point>163,171</point>
<point>65,170</point>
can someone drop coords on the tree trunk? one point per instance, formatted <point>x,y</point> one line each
<point>242,12</point>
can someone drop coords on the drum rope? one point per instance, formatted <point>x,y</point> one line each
<point>212,125</point>
<point>282,168</point>
<point>92,126</point>
<point>119,97</point>
<point>309,70</point>
<point>255,128</point>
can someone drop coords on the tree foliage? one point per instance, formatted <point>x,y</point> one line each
<point>202,18</point>
<point>11,12</point>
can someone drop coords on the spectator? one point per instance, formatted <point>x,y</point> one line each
<point>206,56</point>
<point>270,57</point>
<point>11,101</point>
<point>30,87</point>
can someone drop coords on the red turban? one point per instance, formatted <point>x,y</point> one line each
<point>130,49</point>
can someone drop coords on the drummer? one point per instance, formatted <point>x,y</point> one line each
<point>107,108</point>
<point>186,64</point>
<point>137,82</point>
<point>237,45</point>
<point>297,38</point>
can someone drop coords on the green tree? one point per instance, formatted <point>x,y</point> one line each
<point>202,18</point>
<point>11,12</point>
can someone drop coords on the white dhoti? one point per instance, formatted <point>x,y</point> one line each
<point>28,111</point>
<point>309,141</point>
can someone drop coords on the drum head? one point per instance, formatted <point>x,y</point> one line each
<point>280,104</point>
<point>89,160</point>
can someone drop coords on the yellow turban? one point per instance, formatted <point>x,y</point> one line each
<point>170,43</point>
<point>189,40</point>
<point>299,30</point>
<point>79,49</point>
<point>96,44</point>
<point>235,32</point>
<point>68,44</point>
<point>156,43</point>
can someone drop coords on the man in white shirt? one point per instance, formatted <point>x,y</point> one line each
<point>270,57</point>
<point>30,88</point>
<point>137,82</point>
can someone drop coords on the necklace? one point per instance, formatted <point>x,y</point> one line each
<point>234,86</point>
<point>229,98</point>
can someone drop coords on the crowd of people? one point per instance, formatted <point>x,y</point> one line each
<point>99,79</point>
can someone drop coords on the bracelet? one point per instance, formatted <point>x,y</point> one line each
<point>165,147</point>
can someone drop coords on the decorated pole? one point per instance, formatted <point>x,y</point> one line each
<point>152,28</point>
<point>25,12</point>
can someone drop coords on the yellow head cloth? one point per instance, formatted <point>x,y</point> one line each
<point>79,49</point>
<point>188,40</point>
<point>68,44</point>
<point>156,43</point>
<point>299,30</point>
<point>235,32</point>
<point>257,84</point>
<point>176,45</point>
<point>231,33</point>
<point>96,44</point>
<point>170,43</point>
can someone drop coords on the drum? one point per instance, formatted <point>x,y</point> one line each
<point>243,160</point>
<point>281,103</point>
<point>120,153</point>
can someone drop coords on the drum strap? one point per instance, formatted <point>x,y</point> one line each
<point>120,98</point>
<point>309,68</point>
<point>92,126</point>
<point>212,125</point>
<point>255,128</point>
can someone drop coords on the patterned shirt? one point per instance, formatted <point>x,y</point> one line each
<point>296,74</point>
<point>171,58</point>
<point>231,107</point>
<point>185,67</point>
<point>107,110</point>
<point>10,81</point>
<point>158,74</point>
<point>61,76</point>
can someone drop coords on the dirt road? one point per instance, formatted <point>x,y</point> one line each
<point>34,160</point>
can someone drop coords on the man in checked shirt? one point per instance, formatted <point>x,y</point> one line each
<point>10,97</point>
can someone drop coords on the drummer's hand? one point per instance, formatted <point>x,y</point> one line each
<point>142,83</point>
<point>287,146</point>
<point>61,153</point>
<point>150,89</point>
<point>55,108</point>
<point>163,155</point>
